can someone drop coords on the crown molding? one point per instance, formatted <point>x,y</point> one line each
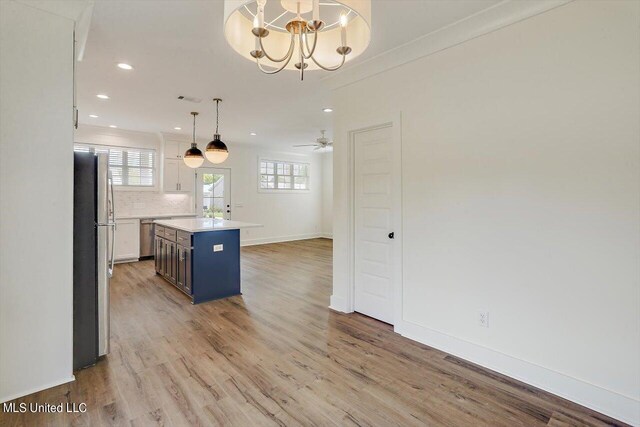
<point>73,10</point>
<point>501,15</point>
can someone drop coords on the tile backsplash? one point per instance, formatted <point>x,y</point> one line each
<point>151,203</point>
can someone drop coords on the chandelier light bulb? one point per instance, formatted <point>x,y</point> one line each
<point>343,20</point>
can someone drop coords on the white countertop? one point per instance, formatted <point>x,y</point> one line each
<point>176,215</point>
<point>197,225</point>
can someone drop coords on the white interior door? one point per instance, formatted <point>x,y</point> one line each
<point>374,221</point>
<point>213,193</point>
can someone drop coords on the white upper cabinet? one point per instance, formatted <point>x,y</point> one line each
<point>171,175</point>
<point>177,177</point>
<point>175,149</point>
<point>187,177</point>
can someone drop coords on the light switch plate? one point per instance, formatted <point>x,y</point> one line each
<point>218,248</point>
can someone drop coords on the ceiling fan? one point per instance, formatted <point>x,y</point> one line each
<point>321,143</point>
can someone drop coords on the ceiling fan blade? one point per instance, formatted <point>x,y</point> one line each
<point>306,145</point>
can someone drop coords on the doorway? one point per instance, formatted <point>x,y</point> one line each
<point>213,193</point>
<point>376,222</point>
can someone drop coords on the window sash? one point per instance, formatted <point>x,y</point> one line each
<point>130,167</point>
<point>280,175</point>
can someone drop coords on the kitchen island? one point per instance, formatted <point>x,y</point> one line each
<point>200,256</point>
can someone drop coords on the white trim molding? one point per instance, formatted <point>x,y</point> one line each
<point>501,15</point>
<point>345,303</point>
<point>338,303</point>
<point>37,389</point>
<point>618,406</point>
<point>279,239</point>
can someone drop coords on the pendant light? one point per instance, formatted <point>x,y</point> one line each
<point>217,151</point>
<point>193,156</point>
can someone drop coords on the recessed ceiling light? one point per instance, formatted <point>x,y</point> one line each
<point>253,134</point>
<point>113,126</point>
<point>102,96</point>
<point>93,116</point>
<point>124,66</point>
<point>177,128</point>
<point>327,110</point>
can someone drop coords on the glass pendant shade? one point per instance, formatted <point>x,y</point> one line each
<point>193,157</point>
<point>216,151</point>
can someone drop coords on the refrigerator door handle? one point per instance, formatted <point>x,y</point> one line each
<point>112,203</point>
<point>113,242</point>
<point>112,222</point>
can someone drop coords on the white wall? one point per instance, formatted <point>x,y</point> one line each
<point>520,170</point>
<point>327,195</point>
<point>285,216</point>
<point>36,233</point>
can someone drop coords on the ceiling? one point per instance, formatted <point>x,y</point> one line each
<point>178,48</point>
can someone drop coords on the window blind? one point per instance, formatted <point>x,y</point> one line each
<point>134,167</point>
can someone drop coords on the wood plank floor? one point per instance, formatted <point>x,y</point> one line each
<point>277,356</point>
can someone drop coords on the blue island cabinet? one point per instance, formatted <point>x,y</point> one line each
<point>215,264</point>
<point>205,265</point>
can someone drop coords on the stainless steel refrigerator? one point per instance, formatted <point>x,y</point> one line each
<point>93,251</point>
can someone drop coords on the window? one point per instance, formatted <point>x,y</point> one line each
<point>133,167</point>
<point>276,175</point>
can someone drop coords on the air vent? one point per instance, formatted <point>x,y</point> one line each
<point>190,99</point>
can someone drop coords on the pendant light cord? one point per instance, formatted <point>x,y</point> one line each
<point>217,114</point>
<point>194,114</point>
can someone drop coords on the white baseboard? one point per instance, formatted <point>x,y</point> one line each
<point>618,406</point>
<point>338,303</point>
<point>36,389</point>
<point>326,235</point>
<point>125,260</point>
<point>279,239</point>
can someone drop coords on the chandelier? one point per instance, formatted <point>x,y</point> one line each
<point>298,34</point>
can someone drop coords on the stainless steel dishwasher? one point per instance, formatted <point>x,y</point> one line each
<point>147,235</point>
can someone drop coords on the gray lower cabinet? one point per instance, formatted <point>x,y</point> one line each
<point>173,258</point>
<point>170,261</point>
<point>183,275</point>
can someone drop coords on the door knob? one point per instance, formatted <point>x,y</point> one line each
<point>391,235</point>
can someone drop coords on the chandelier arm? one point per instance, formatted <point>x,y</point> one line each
<point>315,42</point>
<point>344,57</point>
<point>290,55</point>
<point>286,57</point>
<point>301,51</point>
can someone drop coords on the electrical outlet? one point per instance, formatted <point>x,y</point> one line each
<point>218,248</point>
<point>483,318</point>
